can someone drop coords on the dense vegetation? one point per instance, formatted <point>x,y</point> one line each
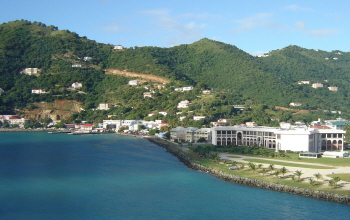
<point>234,77</point>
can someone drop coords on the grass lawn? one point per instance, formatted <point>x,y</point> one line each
<point>268,177</point>
<point>344,177</point>
<point>287,164</point>
<point>295,158</point>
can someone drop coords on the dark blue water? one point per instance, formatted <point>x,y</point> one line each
<point>60,176</point>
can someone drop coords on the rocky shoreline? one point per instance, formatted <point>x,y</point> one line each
<point>331,197</point>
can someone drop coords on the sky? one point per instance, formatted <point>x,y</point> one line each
<point>254,26</point>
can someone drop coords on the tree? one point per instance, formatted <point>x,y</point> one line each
<point>312,181</point>
<point>153,131</point>
<point>271,167</point>
<point>317,176</point>
<point>264,171</point>
<point>298,173</point>
<point>277,172</point>
<point>252,166</point>
<point>283,170</point>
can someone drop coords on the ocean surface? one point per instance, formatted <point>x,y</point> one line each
<point>60,176</point>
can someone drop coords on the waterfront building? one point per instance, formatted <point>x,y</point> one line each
<point>293,139</point>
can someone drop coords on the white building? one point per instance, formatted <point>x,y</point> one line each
<point>197,118</point>
<point>183,104</point>
<point>31,71</point>
<point>88,59</point>
<point>317,85</point>
<point>77,66</point>
<point>104,106</point>
<point>190,134</point>
<point>333,88</point>
<point>13,120</point>
<point>77,85</point>
<point>295,104</point>
<point>118,47</point>
<point>38,91</point>
<point>303,82</point>
<point>134,82</point>
<point>294,139</point>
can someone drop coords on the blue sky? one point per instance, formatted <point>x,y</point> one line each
<point>255,26</point>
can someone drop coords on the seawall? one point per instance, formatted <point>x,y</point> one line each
<point>331,197</point>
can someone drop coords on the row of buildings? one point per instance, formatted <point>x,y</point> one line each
<point>286,137</point>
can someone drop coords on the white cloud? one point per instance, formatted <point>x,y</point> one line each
<point>317,33</point>
<point>256,21</point>
<point>257,53</point>
<point>297,8</point>
<point>177,29</point>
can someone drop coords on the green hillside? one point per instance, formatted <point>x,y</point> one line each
<point>234,77</point>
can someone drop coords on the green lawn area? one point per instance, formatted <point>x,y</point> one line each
<point>295,158</point>
<point>287,164</point>
<point>268,177</point>
<point>344,177</point>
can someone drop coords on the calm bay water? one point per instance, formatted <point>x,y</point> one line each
<point>60,176</point>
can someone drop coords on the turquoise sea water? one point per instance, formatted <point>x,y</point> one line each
<point>60,176</point>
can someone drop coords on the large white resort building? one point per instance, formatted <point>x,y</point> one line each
<point>295,139</point>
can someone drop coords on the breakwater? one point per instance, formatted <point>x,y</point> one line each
<point>331,197</point>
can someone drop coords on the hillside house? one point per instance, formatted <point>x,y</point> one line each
<point>77,85</point>
<point>134,82</point>
<point>87,59</point>
<point>148,94</point>
<point>317,85</point>
<point>197,118</point>
<point>118,47</point>
<point>104,106</point>
<point>164,113</point>
<point>303,82</point>
<point>31,71</point>
<point>333,88</point>
<point>77,66</point>
<point>183,104</point>
<point>38,91</point>
<point>295,104</point>
<point>221,122</point>
<point>206,91</point>
<point>2,91</point>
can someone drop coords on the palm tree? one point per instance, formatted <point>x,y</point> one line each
<point>252,166</point>
<point>259,166</point>
<point>317,176</point>
<point>283,170</point>
<point>271,167</point>
<point>298,173</point>
<point>263,171</point>
<point>312,181</point>
<point>277,172</point>
<point>234,163</point>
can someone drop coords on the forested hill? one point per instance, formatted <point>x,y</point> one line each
<point>205,64</point>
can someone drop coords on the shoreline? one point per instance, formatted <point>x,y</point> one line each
<point>322,195</point>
